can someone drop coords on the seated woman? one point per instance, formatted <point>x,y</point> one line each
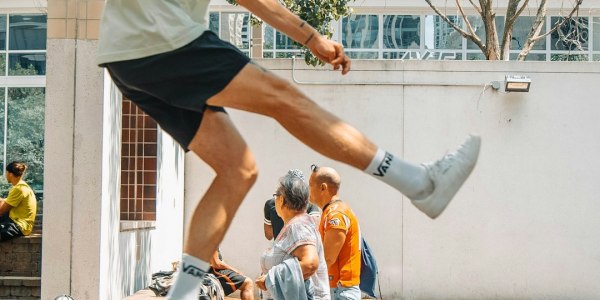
<point>294,267</point>
<point>17,211</point>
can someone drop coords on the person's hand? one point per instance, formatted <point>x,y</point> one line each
<point>330,52</point>
<point>260,282</point>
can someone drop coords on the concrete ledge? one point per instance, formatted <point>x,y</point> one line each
<point>20,281</point>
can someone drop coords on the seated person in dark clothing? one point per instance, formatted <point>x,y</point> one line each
<point>18,210</point>
<point>230,278</point>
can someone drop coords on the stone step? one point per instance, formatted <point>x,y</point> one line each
<point>20,287</point>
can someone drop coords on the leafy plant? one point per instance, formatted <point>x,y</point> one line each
<point>318,13</point>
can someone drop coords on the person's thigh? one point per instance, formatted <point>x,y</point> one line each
<point>346,293</point>
<point>254,89</point>
<point>229,280</point>
<point>9,230</point>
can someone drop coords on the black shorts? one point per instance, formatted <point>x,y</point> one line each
<point>173,87</point>
<point>230,281</point>
<point>8,229</point>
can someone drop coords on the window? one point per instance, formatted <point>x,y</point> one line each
<point>277,44</point>
<point>233,27</point>
<point>27,45</point>
<point>23,60</point>
<point>360,33</point>
<point>138,164</point>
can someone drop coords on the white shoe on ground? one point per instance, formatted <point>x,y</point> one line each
<point>448,174</point>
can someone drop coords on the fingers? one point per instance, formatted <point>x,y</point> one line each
<point>341,59</point>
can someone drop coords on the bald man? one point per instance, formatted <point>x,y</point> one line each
<point>340,233</point>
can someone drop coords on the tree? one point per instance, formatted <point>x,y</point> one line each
<point>318,13</point>
<point>495,48</point>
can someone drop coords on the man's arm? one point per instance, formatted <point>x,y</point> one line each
<point>4,207</point>
<point>276,15</point>
<point>268,231</point>
<point>332,243</point>
<point>218,264</point>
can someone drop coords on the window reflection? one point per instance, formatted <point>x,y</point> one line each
<point>401,32</point>
<point>360,31</point>
<point>440,35</point>
<point>27,32</point>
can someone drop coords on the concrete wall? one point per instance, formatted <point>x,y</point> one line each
<point>523,225</point>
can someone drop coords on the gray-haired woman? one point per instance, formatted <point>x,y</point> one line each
<point>299,239</point>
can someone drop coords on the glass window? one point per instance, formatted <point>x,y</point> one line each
<point>573,35</point>
<point>401,32</point>
<point>596,57</point>
<point>25,137</point>
<point>28,64</point>
<point>27,32</point>
<point>569,57</point>
<point>596,31</point>
<point>268,39</point>
<point>2,32</point>
<point>2,65</point>
<point>530,56</point>
<point>282,41</point>
<point>521,30</point>
<point>440,35</point>
<point>360,31</point>
<point>362,55</point>
<point>475,56</point>
<point>235,28</point>
<point>213,23</point>
<point>479,27</point>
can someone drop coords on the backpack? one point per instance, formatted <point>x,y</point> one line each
<point>368,270</point>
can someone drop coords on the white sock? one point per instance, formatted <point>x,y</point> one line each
<point>410,179</point>
<point>189,275</point>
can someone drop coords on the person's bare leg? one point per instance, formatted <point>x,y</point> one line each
<point>430,186</point>
<point>256,90</point>
<point>247,290</point>
<point>220,145</point>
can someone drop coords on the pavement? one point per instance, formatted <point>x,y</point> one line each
<point>148,294</point>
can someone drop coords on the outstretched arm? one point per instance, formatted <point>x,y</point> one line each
<point>276,15</point>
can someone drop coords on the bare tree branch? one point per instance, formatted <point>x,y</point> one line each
<point>512,13</point>
<point>462,12</point>
<point>534,35</point>
<point>560,24</point>
<point>477,8</point>
<point>474,38</point>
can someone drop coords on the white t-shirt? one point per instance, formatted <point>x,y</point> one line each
<point>299,231</point>
<point>133,29</point>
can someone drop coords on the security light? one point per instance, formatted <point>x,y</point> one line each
<point>516,83</point>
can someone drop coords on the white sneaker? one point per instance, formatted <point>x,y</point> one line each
<point>448,174</point>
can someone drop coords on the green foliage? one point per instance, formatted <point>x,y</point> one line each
<point>26,132</point>
<point>317,13</point>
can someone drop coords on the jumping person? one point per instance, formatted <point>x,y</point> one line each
<point>162,55</point>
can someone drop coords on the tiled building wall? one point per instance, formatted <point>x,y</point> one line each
<point>138,164</point>
<point>68,19</point>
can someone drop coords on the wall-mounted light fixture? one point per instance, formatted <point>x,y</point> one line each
<point>517,83</point>
<point>513,83</point>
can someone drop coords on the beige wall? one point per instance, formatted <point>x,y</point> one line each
<point>523,225</point>
<point>85,251</point>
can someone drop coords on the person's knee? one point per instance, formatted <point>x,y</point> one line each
<point>248,285</point>
<point>244,174</point>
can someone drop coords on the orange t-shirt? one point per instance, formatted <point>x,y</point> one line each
<point>346,269</point>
